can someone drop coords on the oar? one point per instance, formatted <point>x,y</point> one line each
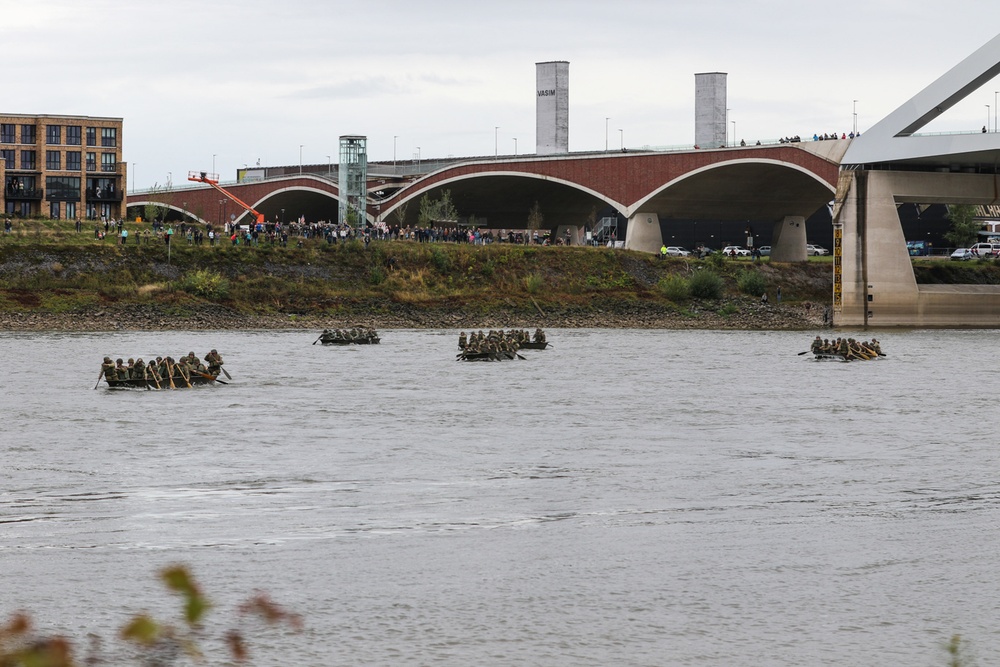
<point>226,372</point>
<point>99,376</point>
<point>209,377</point>
<point>155,379</point>
<point>801,353</point>
<point>170,375</point>
<point>314,342</point>
<point>185,377</point>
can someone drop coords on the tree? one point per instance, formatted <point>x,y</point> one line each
<point>535,217</point>
<point>964,225</point>
<point>437,210</point>
<point>400,212</point>
<point>156,210</point>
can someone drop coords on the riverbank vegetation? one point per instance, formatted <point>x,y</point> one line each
<point>50,268</point>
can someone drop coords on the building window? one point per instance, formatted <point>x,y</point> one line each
<point>7,136</point>
<point>27,159</point>
<point>54,210</point>
<point>91,161</point>
<point>108,162</point>
<point>91,136</point>
<point>27,134</point>
<point>73,135</point>
<point>53,135</point>
<point>53,160</point>
<point>109,137</point>
<point>72,160</point>
<point>62,188</point>
<point>70,210</point>
<point>7,155</point>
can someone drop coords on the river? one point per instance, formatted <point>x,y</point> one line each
<point>623,498</point>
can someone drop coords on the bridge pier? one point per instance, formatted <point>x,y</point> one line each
<point>643,233</point>
<point>874,269</point>
<point>788,240</point>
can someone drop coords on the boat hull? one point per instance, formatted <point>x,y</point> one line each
<point>149,383</point>
<point>360,341</point>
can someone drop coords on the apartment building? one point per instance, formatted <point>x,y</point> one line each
<point>62,167</point>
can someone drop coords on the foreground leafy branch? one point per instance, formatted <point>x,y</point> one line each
<point>157,643</point>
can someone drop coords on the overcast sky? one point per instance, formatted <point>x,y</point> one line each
<point>253,80</point>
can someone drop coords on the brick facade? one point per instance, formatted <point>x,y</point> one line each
<point>64,167</point>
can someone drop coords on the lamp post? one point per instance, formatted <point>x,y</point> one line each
<point>727,125</point>
<point>606,119</point>
<point>418,158</point>
<point>213,163</point>
<point>300,157</point>
<point>133,170</point>
<point>855,118</point>
<point>987,126</point>
<point>734,131</point>
<point>394,137</point>
<point>515,145</point>
<point>621,138</point>
<point>170,179</point>
<point>329,165</point>
<point>496,139</point>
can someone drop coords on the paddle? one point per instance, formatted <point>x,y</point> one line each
<point>99,376</point>
<point>170,375</point>
<point>801,353</point>
<point>155,379</point>
<point>209,377</point>
<point>314,342</point>
<point>185,377</point>
<point>226,372</point>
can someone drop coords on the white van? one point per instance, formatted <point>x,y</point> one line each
<point>985,249</point>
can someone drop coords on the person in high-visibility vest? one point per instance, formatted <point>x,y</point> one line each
<point>663,252</point>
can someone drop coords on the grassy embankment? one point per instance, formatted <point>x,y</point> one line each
<point>46,267</point>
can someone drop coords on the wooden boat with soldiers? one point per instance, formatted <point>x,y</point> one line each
<point>162,373</point>
<point>521,337</point>
<point>355,336</point>
<point>499,355</point>
<point>845,349</point>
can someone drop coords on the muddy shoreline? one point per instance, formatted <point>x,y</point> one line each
<point>742,315</point>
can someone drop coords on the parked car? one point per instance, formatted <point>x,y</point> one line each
<point>677,251</point>
<point>961,253</point>
<point>765,250</point>
<point>816,250</point>
<point>731,250</point>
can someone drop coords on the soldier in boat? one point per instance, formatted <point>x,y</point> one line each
<point>108,369</point>
<point>214,360</point>
<point>462,341</point>
<point>139,369</point>
<point>539,336</point>
<point>121,373</point>
<point>817,345</point>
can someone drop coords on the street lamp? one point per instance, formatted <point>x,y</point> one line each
<point>394,137</point>
<point>734,131</point>
<point>855,118</point>
<point>300,157</point>
<point>418,158</point>
<point>133,170</point>
<point>329,165</point>
<point>727,125</point>
<point>496,138</point>
<point>621,137</point>
<point>213,163</point>
<point>170,179</point>
<point>606,119</point>
<point>515,145</point>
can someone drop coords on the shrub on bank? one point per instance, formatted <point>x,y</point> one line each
<point>675,288</point>
<point>751,282</point>
<point>706,284</point>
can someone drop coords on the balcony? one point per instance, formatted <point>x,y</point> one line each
<point>23,194</point>
<point>103,195</point>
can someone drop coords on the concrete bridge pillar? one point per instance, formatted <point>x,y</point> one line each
<point>788,240</point>
<point>643,233</point>
<point>576,236</point>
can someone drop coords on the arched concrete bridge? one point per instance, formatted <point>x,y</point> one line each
<point>757,184</point>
